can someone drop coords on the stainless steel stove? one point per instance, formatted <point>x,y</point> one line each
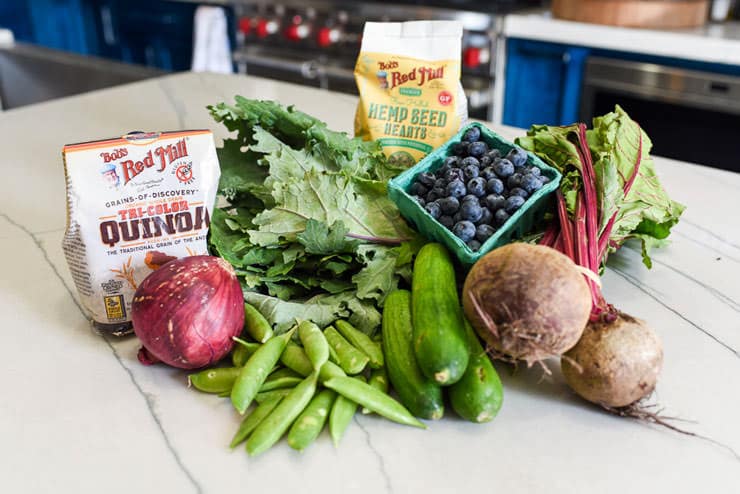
<point>316,43</point>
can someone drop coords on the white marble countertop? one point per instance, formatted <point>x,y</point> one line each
<point>79,414</point>
<point>715,42</point>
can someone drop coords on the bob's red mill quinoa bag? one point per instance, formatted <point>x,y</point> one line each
<point>408,76</point>
<point>133,204</point>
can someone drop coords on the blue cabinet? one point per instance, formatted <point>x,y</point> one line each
<point>543,82</point>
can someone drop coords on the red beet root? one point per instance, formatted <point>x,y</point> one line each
<point>186,312</point>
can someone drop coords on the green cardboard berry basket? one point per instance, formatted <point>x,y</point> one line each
<point>520,223</point>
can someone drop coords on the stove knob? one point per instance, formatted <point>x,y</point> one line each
<point>328,36</point>
<point>266,27</point>
<point>245,25</point>
<point>297,32</point>
<point>474,56</point>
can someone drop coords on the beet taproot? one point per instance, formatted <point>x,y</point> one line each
<point>615,363</point>
<point>186,312</point>
<point>527,302</point>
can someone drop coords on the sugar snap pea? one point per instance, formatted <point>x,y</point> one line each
<point>314,343</point>
<point>216,380</point>
<point>295,358</point>
<point>341,415</point>
<point>256,324</point>
<point>263,396</point>
<point>252,420</point>
<point>274,425</point>
<point>362,342</point>
<point>280,383</point>
<point>308,425</point>
<point>378,380</point>
<point>242,351</point>
<point>255,371</point>
<point>349,358</point>
<point>284,372</point>
<point>373,399</point>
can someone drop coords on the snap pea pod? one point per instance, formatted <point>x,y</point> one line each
<point>349,358</point>
<point>252,420</point>
<point>274,425</point>
<point>296,359</point>
<point>216,380</point>
<point>242,351</point>
<point>378,380</point>
<point>280,383</point>
<point>341,415</point>
<point>284,372</point>
<point>362,342</point>
<point>373,399</point>
<point>256,324</point>
<point>255,371</point>
<point>308,425</point>
<point>224,394</point>
<point>314,343</point>
<point>266,395</point>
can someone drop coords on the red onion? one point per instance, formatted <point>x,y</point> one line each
<point>186,312</point>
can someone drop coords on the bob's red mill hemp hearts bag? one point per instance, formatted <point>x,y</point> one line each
<point>133,204</point>
<point>408,76</point>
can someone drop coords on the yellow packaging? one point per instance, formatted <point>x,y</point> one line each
<point>408,76</point>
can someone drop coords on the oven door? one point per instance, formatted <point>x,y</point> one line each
<point>689,115</point>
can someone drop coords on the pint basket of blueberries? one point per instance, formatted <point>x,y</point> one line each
<point>474,193</point>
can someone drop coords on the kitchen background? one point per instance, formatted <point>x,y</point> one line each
<point>678,75</point>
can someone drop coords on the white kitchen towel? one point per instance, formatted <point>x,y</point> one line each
<point>211,51</point>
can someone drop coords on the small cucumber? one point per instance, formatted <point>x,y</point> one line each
<point>439,335</point>
<point>478,395</point>
<point>422,396</point>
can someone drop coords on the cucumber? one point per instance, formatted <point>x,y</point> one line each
<point>420,395</point>
<point>478,395</point>
<point>440,345</point>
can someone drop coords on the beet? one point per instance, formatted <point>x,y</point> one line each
<point>616,363</point>
<point>527,302</point>
<point>186,312</point>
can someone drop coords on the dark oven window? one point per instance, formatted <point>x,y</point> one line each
<point>705,137</point>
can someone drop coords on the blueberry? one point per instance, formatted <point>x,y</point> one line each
<point>513,203</point>
<point>440,191</point>
<point>449,205</point>
<point>488,173</point>
<point>452,161</point>
<point>517,156</point>
<point>514,181</point>
<point>472,134</point>
<point>471,211</point>
<point>469,198</point>
<point>544,179</point>
<point>455,188</point>
<point>501,216</point>
<point>495,186</point>
<point>464,230</point>
<point>470,171</point>
<point>477,149</point>
<point>533,170</point>
<point>531,183</point>
<point>494,154</point>
<point>420,200</point>
<point>494,202</point>
<point>457,217</point>
<point>473,245</point>
<point>483,232</point>
<point>440,183</point>
<point>454,174</point>
<point>426,179</point>
<point>434,209</point>
<point>446,221</point>
<point>432,196</point>
<point>518,191</point>
<point>460,148</point>
<point>477,187</point>
<point>417,189</point>
<point>485,161</point>
<point>503,168</point>
<point>486,217</point>
<point>442,171</point>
